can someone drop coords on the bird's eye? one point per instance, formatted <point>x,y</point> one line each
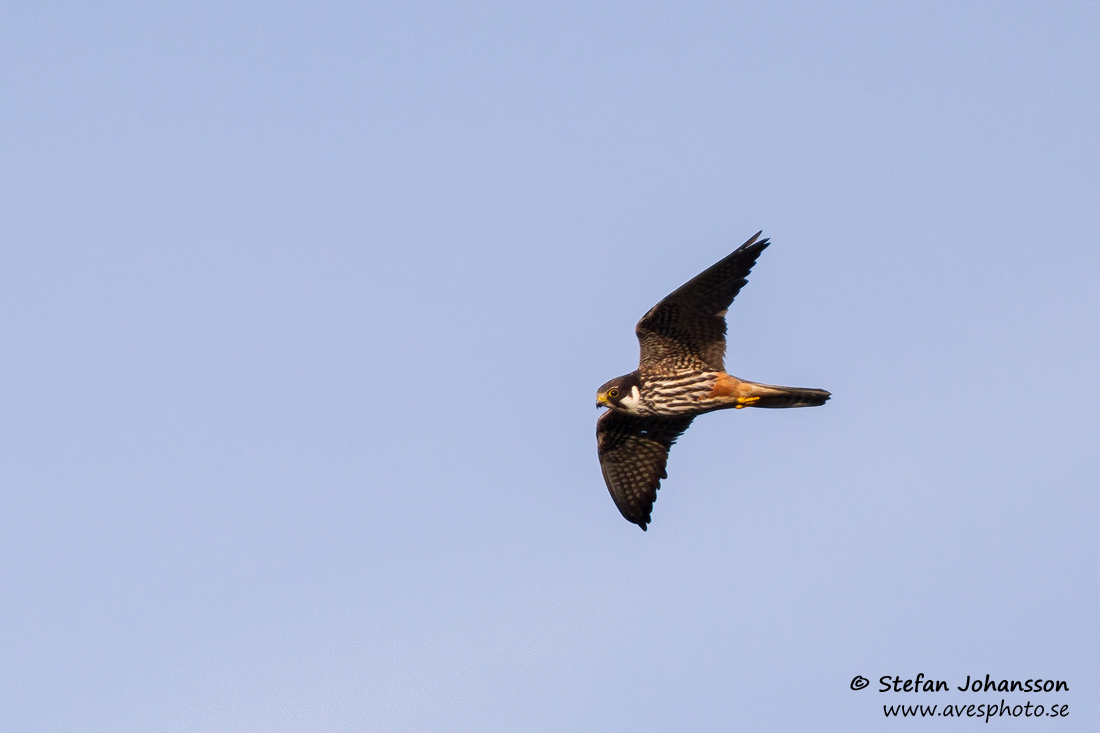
<point>613,393</point>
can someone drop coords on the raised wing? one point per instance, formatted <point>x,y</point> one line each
<point>687,330</point>
<point>633,454</point>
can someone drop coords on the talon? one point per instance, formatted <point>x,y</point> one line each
<point>744,401</point>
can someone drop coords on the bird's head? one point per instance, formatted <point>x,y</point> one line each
<point>620,393</point>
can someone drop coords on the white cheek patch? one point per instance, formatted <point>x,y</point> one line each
<point>631,401</point>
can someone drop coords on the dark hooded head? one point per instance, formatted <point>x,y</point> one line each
<point>620,393</point>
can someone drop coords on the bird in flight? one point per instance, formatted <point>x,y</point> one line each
<point>681,375</point>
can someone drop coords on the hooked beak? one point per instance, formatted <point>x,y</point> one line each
<point>601,400</point>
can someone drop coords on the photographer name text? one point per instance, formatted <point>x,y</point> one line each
<point>920,683</point>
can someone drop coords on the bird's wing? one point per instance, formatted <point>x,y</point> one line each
<point>633,454</point>
<point>687,330</point>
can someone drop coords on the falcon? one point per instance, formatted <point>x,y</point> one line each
<point>681,375</point>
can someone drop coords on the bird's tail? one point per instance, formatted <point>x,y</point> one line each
<point>771,395</point>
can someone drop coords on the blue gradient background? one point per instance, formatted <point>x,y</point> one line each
<point>303,308</point>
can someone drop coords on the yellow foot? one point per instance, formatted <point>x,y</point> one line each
<point>745,401</point>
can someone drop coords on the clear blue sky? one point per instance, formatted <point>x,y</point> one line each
<point>303,308</point>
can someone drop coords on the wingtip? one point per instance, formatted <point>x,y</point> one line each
<point>756,242</point>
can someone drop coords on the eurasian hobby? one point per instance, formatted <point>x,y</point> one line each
<point>681,374</point>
